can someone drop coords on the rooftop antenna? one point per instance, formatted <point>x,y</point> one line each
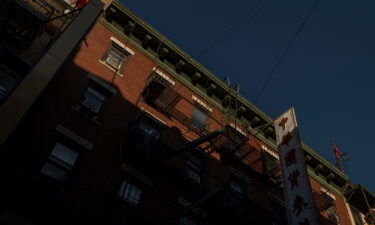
<point>340,157</point>
<point>237,88</point>
<point>226,80</point>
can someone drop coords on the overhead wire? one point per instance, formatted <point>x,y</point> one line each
<point>245,18</point>
<point>284,53</point>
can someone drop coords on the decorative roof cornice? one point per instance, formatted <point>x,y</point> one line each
<point>332,173</point>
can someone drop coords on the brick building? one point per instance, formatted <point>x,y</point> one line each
<point>131,130</point>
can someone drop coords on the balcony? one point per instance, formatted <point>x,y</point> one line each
<point>23,21</point>
<point>325,221</point>
<point>148,142</point>
<point>322,201</point>
<point>39,8</point>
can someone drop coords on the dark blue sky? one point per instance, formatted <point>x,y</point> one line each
<point>328,74</point>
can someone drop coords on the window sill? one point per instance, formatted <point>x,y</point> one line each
<point>111,68</point>
<point>77,109</point>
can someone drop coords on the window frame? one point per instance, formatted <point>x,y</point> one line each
<point>333,211</point>
<point>99,88</point>
<point>197,122</point>
<point>186,221</point>
<point>91,93</point>
<point>120,52</point>
<point>126,190</point>
<point>238,186</point>
<point>57,164</point>
<point>194,168</point>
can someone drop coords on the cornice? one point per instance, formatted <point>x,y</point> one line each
<point>167,68</point>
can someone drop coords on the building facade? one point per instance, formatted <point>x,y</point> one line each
<point>131,130</point>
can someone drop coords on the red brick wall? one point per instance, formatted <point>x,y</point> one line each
<point>97,171</point>
<point>339,202</point>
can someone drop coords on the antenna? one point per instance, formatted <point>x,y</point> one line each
<point>341,158</point>
<point>237,88</point>
<point>226,80</point>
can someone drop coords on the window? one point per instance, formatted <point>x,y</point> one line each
<point>357,217</point>
<point>93,100</point>
<point>60,163</point>
<point>159,93</point>
<point>194,168</point>
<point>115,57</point>
<point>237,186</point>
<point>150,132</point>
<point>199,118</point>
<point>277,211</point>
<point>185,221</point>
<point>12,70</point>
<point>8,81</point>
<point>270,164</point>
<point>331,211</point>
<point>130,193</point>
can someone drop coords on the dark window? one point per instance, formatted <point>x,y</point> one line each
<point>150,132</point>
<point>93,99</point>
<point>115,57</point>
<point>8,81</point>
<point>270,164</point>
<point>194,166</point>
<point>237,186</point>
<point>130,193</point>
<point>185,221</point>
<point>160,94</point>
<point>60,163</point>
<point>12,70</point>
<point>331,211</point>
<point>199,118</point>
<point>277,212</point>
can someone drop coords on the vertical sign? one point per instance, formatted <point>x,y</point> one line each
<point>297,189</point>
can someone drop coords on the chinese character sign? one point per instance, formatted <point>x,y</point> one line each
<point>298,194</point>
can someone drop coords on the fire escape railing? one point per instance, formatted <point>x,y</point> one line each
<point>322,201</point>
<point>40,7</point>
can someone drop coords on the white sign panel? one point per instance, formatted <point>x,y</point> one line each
<point>297,189</point>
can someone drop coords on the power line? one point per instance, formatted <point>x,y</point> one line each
<point>274,69</point>
<point>248,16</point>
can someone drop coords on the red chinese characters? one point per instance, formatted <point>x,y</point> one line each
<point>283,122</point>
<point>286,138</point>
<point>293,179</point>
<point>298,205</point>
<point>290,158</point>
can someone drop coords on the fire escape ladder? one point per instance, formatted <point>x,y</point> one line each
<point>231,141</point>
<point>206,197</point>
<point>195,143</point>
<point>270,165</point>
<point>247,153</point>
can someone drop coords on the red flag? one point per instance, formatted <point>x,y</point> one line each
<point>337,151</point>
<point>81,3</point>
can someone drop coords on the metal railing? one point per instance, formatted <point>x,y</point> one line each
<point>322,201</point>
<point>39,6</point>
<point>8,81</point>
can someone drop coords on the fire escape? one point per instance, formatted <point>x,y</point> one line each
<point>24,20</point>
<point>363,200</point>
<point>150,144</point>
